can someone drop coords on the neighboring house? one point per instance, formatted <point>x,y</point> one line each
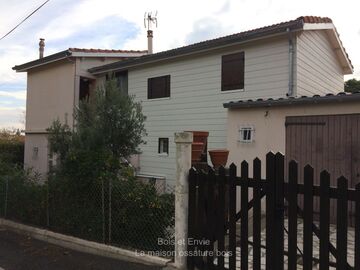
<point>184,89</point>
<point>55,84</point>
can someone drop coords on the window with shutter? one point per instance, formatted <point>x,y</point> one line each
<point>232,71</point>
<point>159,87</point>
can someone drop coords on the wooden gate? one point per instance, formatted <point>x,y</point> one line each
<point>219,237</point>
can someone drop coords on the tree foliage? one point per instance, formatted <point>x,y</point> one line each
<point>109,127</point>
<point>352,85</point>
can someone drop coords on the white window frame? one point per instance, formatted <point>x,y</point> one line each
<point>250,138</point>
<point>161,150</point>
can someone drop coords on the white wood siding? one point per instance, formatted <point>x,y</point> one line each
<point>318,69</point>
<point>196,99</point>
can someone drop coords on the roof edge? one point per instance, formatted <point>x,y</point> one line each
<point>42,61</point>
<point>291,101</point>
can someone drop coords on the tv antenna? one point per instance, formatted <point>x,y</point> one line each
<point>150,19</point>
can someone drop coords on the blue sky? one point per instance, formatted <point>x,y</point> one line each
<point>111,24</point>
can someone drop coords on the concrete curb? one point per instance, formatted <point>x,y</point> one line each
<point>83,245</point>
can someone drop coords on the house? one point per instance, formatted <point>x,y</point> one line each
<point>323,131</point>
<point>184,88</point>
<point>55,84</point>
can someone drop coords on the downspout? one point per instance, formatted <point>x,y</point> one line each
<point>290,92</point>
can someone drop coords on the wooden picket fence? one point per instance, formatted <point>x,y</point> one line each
<point>213,217</point>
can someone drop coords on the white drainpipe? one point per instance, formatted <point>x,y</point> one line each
<point>290,92</point>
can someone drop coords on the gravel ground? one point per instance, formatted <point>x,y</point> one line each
<point>20,252</point>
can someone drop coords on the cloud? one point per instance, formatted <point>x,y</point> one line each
<point>98,34</point>
<point>225,8</point>
<point>204,29</point>
<point>14,94</point>
<point>11,117</point>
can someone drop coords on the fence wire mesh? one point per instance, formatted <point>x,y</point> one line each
<point>132,214</point>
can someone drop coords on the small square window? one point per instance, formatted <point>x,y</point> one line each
<point>163,146</point>
<point>246,134</point>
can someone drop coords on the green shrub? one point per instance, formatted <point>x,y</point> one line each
<point>11,147</point>
<point>23,197</point>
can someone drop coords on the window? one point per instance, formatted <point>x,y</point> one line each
<point>122,81</point>
<point>232,71</point>
<point>246,134</point>
<point>163,146</point>
<point>84,88</point>
<point>159,87</point>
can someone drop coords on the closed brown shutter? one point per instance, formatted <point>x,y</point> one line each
<point>159,87</point>
<point>232,71</point>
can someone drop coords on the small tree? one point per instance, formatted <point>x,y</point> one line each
<point>109,127</point>
<point>352,85</point>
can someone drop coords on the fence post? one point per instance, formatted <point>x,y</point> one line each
<point>183,142</point>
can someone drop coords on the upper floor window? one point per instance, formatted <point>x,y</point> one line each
<point>232,71</point>
<point>122,81</point>
<point>159,87</point>
<point>84,91</point>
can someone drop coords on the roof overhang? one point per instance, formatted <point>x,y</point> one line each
<point>42,61</point>
<point>291,101</point>
<point>69,53</point>
<point>335,42</point>
<point>104,54</point>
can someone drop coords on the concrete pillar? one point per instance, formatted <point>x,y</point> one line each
<point>183,142</point>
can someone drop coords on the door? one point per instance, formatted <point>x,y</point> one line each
<point>326,142</point>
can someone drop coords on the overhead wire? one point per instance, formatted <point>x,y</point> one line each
<point>27,17</point>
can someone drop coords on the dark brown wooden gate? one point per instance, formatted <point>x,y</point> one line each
<point>326,142</point>
<point>219,237</point>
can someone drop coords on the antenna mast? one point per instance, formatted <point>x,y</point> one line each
<point>149,21</point>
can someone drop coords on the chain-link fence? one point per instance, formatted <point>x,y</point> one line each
<point>127,213</point>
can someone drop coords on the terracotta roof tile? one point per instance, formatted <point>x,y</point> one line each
<point>314,19</point>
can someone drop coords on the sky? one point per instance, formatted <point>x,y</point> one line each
<point>115,24</point>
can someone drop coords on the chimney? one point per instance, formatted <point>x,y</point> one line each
<point>41,47</point>
<point>150,41</point>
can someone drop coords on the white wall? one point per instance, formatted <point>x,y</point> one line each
<point>270,131</point>
<point>196,98</point>
<point>50,95</point>
<point>318,69</point>
<point>39,163</point>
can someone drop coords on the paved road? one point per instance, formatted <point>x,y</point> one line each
<point>19,252</point>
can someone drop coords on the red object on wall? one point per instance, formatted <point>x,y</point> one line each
<point>199,146</point>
